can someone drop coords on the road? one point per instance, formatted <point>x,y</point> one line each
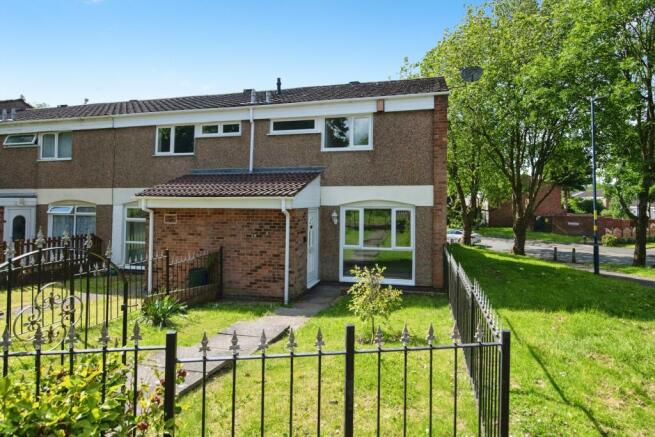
<point>584,252</point>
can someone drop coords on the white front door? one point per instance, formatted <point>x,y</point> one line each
<point>312,247</point>
<point>19,223</point>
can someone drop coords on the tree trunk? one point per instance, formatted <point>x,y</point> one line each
<point>468,228</point>
<point>520,229</point>
<point>639,257</point>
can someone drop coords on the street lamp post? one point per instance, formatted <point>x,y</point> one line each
<point>593,185</point>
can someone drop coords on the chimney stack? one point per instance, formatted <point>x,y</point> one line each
<point>279,86</point>
<point>268,97</point>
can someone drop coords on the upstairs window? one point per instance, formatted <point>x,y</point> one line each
<point>293,126</point>
<point>230,129</point>
<point>175,140</point>
<point>76,220</point>
<point>56,145</point>
<point>348,133</point>
<point>20,140</point>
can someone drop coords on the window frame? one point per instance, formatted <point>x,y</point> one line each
<point>72,212</point>
<point>220,133</point>
<point>315,130</point>
<point>56,157</point>
<point>172,127</point>
<point>351,147</point>
<point>126,220</point>
<point>33,143</point>
<point>344,276</point>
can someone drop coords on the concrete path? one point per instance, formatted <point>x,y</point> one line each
<point>249,332</point>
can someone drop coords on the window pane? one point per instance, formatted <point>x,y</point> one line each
<point>403,229</point>
<point>136,231</point>
<point>398,263</point>
<point>65,145</point>
<point>210,129</point>
<point>86,209</point>
<point>377,228</point>
<point>184,139</point>
<point>48,146</point>
<point>136,213</point>
<point>61,223</point>
<point>361,131</point>
<point>337,132</point>
<point>60,210</point>
<point>135,251</point>
<point>20,139</point>
<point>232,128</point>
<point>293,125</point>
<point>352,227</point>
<point>86,224</point>
<point>164,139</point>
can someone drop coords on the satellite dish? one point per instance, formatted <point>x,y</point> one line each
<point>471,74</point>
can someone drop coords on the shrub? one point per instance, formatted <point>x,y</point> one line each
<point>609,240</point>
<point>70,404</point>
<point>369,299</point>
<point>160,312</point>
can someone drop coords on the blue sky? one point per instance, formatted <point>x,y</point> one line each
<point>60,52</point>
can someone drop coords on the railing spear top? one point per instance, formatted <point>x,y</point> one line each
<point>430,337</point>
<point>455,333</point>
<point>108,251</point>
<point>235,344</point>
<point>40,240</point>
<point>263,342</point>
<point>88,242</point>
<point>479,335</point>
<point>65,238</point>
<point>204,345</point>
<point>319,340</point>
<point>292,345</point>
<point>9,251</point>
<point>71,338</point>
<point>38,338</point>
<point>404,337</point>
<point>104,338</point>
<point>379,337</point>
<point>6,339</point>
<point>136,334</point>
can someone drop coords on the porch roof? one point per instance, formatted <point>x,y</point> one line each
<point>230,183</point>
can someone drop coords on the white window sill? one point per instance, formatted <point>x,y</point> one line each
<point>160,155</point>
<point>53,159</point>
<point>218,135</point>
<point>19,146</point>
<point>295,132</point>
<point>347,149</point>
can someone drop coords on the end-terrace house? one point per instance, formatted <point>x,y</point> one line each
<point>297,185</point>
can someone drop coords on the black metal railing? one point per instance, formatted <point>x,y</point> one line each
<point>488,368</point>
<point>19,247</point>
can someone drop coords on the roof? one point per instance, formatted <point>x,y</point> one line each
<point>350,90</point>
<point>18,104</point>
<point>236,183</point>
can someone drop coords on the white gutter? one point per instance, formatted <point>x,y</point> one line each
<point>151,238</point>
<point>287,232</point>
<point>252,139</point>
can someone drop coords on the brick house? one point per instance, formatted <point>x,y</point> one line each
<point>297,185</point>
<point>551,205</point>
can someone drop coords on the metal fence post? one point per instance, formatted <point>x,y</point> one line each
<point>554,253</point>
<point>504,383</point>
<point>124,308</point>
<point>573,255</point>
<point>349,389</point>
<point>167,270</point>
<point>169,382</point>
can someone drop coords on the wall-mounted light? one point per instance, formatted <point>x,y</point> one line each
<point>335,218</point>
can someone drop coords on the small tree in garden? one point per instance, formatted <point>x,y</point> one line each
<point>369,299</point>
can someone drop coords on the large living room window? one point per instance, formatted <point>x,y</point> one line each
<point>175,140</point>
<point>378,235</point>
<point>56,146</point>
<point>348,133</point>
<point>135,234</point>
<point>74,219</point>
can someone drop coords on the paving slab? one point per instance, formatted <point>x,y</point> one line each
<point>249,333</point>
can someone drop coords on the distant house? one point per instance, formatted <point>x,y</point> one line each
<point>551,205</point>
<point>589,195</point>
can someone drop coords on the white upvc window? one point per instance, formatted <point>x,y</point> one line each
<point>56,146</point>
<point>135,234</point>
<point>381,236</point>
<point>294,126</point>
<point>74,219</point>
<point>222,129</point>
<point>20,140</point>
<point>175,140</point>
<point>347,133</point>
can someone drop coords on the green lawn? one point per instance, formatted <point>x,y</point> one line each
<point>583,347</point>
<point>649,245</point>
<point>418,311</point>
<point>646,272</point>
<point>548,237</point>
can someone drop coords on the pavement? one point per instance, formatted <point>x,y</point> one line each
<point>248,333</point>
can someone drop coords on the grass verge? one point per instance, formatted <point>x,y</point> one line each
<point>583,347</point>
<point>547,237</point>
<point>645,272</point>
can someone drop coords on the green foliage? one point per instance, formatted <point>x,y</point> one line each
<point>584,206</point>
<point>70,404</point>
<point>609,240</point>
<point>369,299</point>
<point>160,312</point>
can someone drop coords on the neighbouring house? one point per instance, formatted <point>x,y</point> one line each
<point>551,205</point>
<point>297,185</point>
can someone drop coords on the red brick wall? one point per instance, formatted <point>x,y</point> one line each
<point>253,244</point>
<point>440,175</point>
<point>582,224</point>
<point>550,206</point>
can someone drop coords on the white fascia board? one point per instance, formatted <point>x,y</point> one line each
<point>192,116</point>
<point>417,195</point>
<point>17,201</point>
<point>308,197</point>
<point>214,202</point>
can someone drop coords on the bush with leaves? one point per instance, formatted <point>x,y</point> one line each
<point>160,312</point>
<point>369,299</point>
<point>70,404</point>
<point>609,240</point>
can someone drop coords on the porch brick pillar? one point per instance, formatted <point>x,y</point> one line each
<point>440,174</point>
